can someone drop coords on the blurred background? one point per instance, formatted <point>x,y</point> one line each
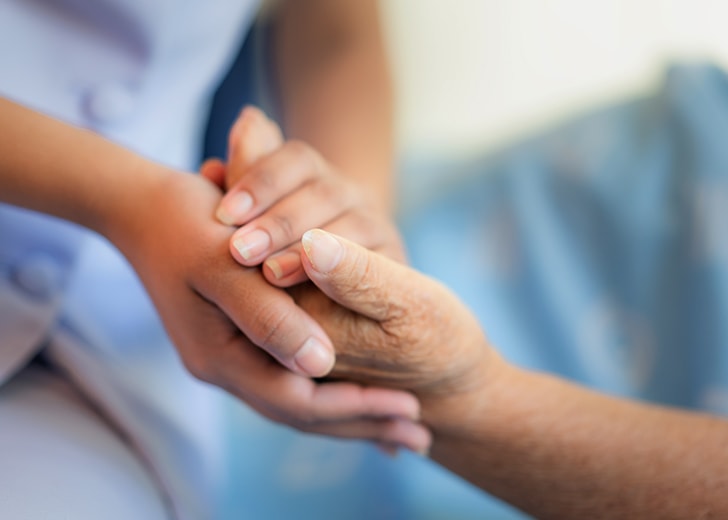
<point>472,75</point>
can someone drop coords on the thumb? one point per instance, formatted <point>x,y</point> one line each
<point>361,280</point>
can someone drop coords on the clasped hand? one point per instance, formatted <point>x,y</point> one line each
<point>391,326</point>
<point>234,329</point>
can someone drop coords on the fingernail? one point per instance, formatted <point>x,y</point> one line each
<point>314,358</point>
<point>284,265</point>
<point>252,244</point>
<point>322,249</point>
<point>234,208</point>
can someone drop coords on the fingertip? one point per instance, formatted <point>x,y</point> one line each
<point>251,111</point>
<point>210,163</point>
<point>252,137</point>
<point>392,404</point>
<point>314,358</point>
<point>421,441</point>
<point>224,217</point>
<point>234,208</point>
<point>284,270</point>
<point>214,171</point>
<point>390,450</point>
<point>410,408</point>
<point>247,115</point>
<point>323,250</point>
<point>408,434</point>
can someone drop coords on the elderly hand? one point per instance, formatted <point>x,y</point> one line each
<point>371,346</point>
<point>395,327</point>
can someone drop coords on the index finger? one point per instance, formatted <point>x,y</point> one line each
<point>252,137</point>
<point>270,318</point>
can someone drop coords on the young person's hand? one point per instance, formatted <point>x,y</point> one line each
<point>231,327</point>
<point>236,331</point>
<point>277,190</point>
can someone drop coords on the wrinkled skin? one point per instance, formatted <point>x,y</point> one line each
<point>394,327</point>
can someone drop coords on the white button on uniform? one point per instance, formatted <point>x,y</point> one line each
<point>39,276</point>
<point>110,103</point>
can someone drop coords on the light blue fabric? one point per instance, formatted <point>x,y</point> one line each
<point>599,251</point>
<point>40,480</point>
<point>278,473</point>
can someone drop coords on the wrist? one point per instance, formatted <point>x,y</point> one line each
<point>74,175</point>
<point>469,408</point>
<point>121,219</point>
<point>499,411</point>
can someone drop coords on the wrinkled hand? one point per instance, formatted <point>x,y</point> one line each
<point>277,190</point>
<point>397,328</point>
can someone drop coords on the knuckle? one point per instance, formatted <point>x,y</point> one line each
<point>361,281</point>
<point>199,367</point>
<point>262,178</point>
<point>356,278</point>
<point>398,312</point>
<point>303,154</point>
<point>353,195</point>
<point>409,318</point>
<point>380,344</point>
<point>298,148</point>
<point>284,227</point>
<point>270,320</point>
<point>333,193</point>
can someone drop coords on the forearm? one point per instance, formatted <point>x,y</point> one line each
<point>560,451</point>
<point>55,168</point>
<point>335,87</point>
<point>549,447</point>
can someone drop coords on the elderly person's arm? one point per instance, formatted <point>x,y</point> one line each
<point>549,447</point>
